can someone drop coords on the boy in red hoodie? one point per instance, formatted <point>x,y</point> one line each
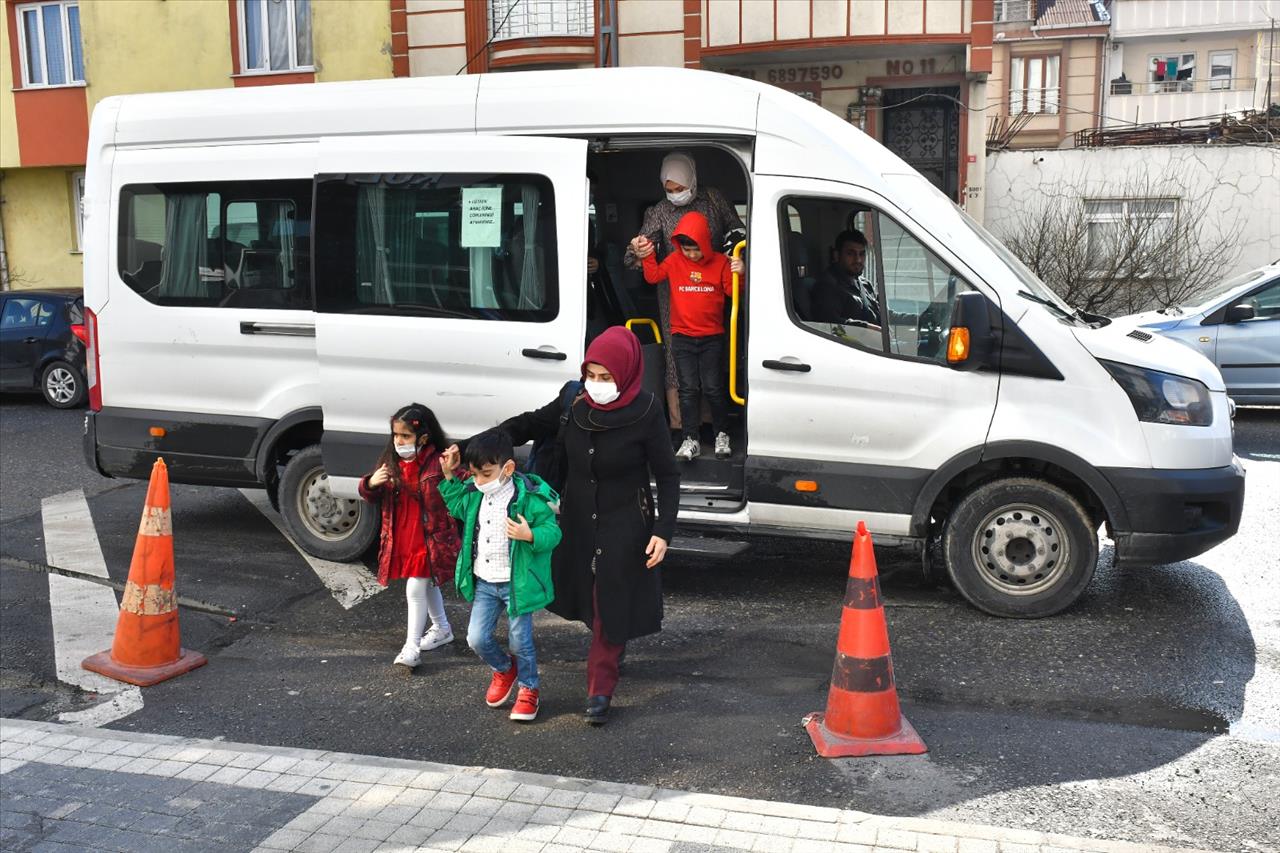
<point>700,278</point>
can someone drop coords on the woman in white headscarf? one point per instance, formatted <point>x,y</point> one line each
<point>679,178</point>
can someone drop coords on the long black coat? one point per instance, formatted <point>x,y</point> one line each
<point>607,511</point>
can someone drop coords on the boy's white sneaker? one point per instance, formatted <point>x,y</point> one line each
<point>688,450</point>
<point>723,451</point>
<point>435,638</point>
<point>408,657</point>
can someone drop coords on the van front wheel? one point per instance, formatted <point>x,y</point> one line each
<point>1020,547</point>
<point>323,524</point>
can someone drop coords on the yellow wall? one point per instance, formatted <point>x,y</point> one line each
<point>8,121</point>
<point>154,46</point>
<point>41,241</point>
<point>351,40</point>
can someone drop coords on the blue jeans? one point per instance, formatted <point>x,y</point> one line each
<point>491,602</point>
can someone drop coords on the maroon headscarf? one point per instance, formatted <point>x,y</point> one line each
<point>618,351</point>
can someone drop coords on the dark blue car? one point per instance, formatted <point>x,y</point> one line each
<point>42,344</point>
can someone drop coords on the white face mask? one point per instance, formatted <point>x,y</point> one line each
<point>601,393</point>
<point>681,198</point>
<point>492,486</point>
<point>407,451</point>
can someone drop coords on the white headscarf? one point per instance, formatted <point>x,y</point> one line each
<point>679,167</point>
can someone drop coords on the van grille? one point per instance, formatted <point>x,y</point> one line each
<point>1139,335</point>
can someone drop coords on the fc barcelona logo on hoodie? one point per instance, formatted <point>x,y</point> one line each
<point>695,277</point>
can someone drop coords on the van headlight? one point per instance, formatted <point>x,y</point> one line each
<point>1163,398</point>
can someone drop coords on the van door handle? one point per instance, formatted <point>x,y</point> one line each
<point>546,354</point>
<point>288,330</point>
<point>30,340</point>
<point>793,366</point>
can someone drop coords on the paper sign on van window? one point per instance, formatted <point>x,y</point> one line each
<point>481,217</point>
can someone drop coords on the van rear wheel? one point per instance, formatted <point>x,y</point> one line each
<point>1020,547</point>
<point>323,524</point>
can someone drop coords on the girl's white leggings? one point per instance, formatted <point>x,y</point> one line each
<point>424,600</point>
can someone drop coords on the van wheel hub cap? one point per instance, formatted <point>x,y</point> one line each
<point>61,385</point>
<point>1021,550</point>
<point>328,517</point>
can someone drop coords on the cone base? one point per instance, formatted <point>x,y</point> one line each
<point>830,744</point>
<point>143,676</point>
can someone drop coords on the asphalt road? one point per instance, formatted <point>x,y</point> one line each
<point>1150,711</point>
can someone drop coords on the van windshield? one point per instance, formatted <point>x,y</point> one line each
<point>1033,288</point>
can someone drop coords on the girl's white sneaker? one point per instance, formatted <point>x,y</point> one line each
<point>408,657</point>
<point>435,638</point>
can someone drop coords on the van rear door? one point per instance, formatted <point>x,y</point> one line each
<point>450,271</point>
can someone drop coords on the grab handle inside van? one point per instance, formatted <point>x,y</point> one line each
<point>645,321</point>
<point>733,333</point>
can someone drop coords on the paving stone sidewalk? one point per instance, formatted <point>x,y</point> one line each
<point>66,788</point>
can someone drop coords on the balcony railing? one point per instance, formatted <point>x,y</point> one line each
<point>1177,87</point>
<point>520,19</point>
<point>1163,106</point>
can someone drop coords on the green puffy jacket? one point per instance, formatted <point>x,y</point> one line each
<point>530,561</point>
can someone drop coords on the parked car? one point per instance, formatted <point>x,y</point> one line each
<point>1237,325</point>
<point>42,344</point>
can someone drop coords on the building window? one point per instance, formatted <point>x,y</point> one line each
<point>1014,10</point>
<point>49,44</point>
<point>77,211</point>
<point>1222,68</point>
<point>516,19</point>
<point>275,35</point>
<point>1033,84</point>
<point>1120,228</point>
<point>1173,73</point>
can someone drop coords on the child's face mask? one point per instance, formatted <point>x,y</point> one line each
<point>407,451</point>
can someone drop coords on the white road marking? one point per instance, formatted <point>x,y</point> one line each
<point>83,614</point>
<point>350,583</point>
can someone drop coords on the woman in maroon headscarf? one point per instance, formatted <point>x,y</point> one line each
<point>606,568</point>
<point>602,453</point>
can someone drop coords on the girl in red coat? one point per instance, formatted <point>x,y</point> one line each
<point>419,540</point>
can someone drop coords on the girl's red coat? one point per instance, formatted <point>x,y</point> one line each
<point>439,529</point>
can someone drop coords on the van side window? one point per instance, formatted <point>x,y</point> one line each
<point>229,244</point>
<point>856,276</point>
<point>448,245</point>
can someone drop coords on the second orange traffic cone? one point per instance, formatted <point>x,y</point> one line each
<point>863,716</point>
<point>147,648</point>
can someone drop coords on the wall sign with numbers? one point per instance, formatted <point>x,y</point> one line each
<point>794,74</point>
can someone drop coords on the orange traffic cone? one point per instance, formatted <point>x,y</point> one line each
<point>863,717</point>
<point>146,649</point>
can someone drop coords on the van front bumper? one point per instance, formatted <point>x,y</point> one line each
<point>1175,514</point>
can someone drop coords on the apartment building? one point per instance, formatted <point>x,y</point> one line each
<point>1182,60</point>
<point>58,58</point>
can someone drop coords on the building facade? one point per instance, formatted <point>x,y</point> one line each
<point>912,73</point>
<point>1188,60</point>
<point>59,58</point>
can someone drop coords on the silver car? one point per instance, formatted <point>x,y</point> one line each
<point>1237,326</point>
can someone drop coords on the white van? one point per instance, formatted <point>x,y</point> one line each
<point>271,272</point>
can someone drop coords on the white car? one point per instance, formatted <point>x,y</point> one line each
<point>1237,326</point>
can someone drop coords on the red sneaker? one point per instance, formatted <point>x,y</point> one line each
<point>526,707</point>
<point>501,687</point>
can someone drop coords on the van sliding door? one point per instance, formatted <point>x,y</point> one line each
<point>450,271</point>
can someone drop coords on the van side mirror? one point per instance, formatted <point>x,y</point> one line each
<point>1239,313</point>
<point>970,341</point>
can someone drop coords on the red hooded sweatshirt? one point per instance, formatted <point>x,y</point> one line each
<point>698,288</point>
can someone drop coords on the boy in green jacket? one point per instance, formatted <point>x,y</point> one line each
<point>509,533</point>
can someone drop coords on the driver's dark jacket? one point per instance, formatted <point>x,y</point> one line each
<point>838,298</point>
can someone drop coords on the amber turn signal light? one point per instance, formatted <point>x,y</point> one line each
<point>806,485</point>
<point>958,344</point>
<point>157,432</point>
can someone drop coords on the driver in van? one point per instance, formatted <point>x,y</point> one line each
<point>842,294</point>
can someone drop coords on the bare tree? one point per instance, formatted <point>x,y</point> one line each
<point>1149,249</point>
